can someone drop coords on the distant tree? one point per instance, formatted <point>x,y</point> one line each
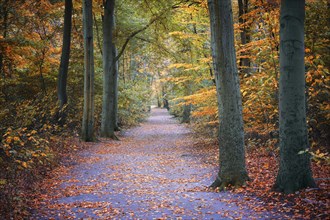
<point>243,6</point>
<point>4,11</point>
<point>231,134</point>
<point>116,126</point>
<point>187,107</point>
<point>295,172</point>
<point>88,115</point>
<point>65,56</point>
<point>110,68</point>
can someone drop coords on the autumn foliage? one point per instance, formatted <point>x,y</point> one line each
<point>170,60</point>
<point>259,85</point>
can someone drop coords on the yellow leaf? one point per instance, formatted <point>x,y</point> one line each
<point>9,140</point>
<point>24,164</point>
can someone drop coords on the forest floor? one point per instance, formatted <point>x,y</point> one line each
<point>156,171</point>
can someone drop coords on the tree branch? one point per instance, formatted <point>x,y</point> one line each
<point>97,34</point>
<point>133,34</point>
<point>145,27</point>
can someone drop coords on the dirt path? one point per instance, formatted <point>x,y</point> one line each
<point>155,171</point>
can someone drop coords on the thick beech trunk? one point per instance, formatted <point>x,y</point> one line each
<point>65,56</point>
<point>231,134</point>
<point>109,72</point>
<point>88,115</point>
<point>295,172</point>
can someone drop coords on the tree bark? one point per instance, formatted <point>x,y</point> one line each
<point>295,172</point>
<point>245,37</point>
<point>231,134</point>
<point>116,76</point>
<point>97,34</point>
<point>65,56</point>
<point>187,107</point>
<point>186,113</point>
<point>41,64</point>
<point>4,26</point>
<point>108,117</point>
<point>88,115</point>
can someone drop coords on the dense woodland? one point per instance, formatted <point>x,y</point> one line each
<point>70,72</point>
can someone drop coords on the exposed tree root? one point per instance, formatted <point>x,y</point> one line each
<point>292,186</point>
<point>216,183</point>
<point>233,182</point>
<point>115,138</point>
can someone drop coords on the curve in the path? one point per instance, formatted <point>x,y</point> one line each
<point>153,172</point>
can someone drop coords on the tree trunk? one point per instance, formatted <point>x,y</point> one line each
<point>231,134</point>
<point>4,27</point>
<point>42,79</point>
<point>295,172</point>
<point>2,75</point>
<point>123,73</point>
<point>116,76</point>
<point>245,37</point>
<point>2,72</point>
<point>97,34</point>
<point>108,103</point>
<point>65,56</point>
<point>88,115</point>
<point>187,107</point>
<point>186,113</point>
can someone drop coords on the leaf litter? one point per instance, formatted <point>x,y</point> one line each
<point>156,171</point>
